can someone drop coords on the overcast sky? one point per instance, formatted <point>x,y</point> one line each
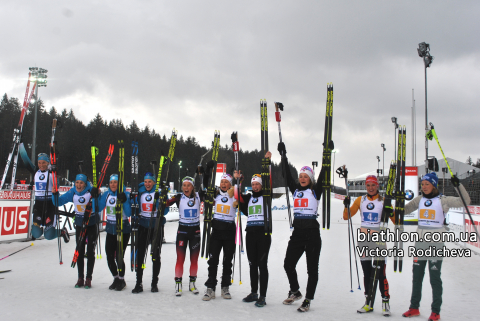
<point>204,65</point>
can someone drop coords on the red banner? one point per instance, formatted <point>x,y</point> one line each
<point>470,229</point>
<point>15,195</point>
<point>474,209</point>
<point>14,220</point>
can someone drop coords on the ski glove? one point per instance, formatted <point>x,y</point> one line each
<point>346,201</point>
<point>455,181</point>
<point>210,164</point>
<point>122,198</point>
<point>94,192</point>
<point>157,195</point>
<point>281,148</point>
<point>389,211</point>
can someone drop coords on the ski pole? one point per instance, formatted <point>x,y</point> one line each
<point>433,134</point>
<point>16,252</point>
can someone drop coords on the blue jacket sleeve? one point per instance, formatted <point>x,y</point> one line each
<point>65,198</point>
<point>127,206</point>
<point>102,202</point>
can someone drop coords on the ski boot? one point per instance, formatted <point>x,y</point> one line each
<point>113,286</point>
<point>138,288</point>
<point>305,306</point>
<point>121,284</point>
<point>386,308</point>
<point>411,313</point>
<point>261,302</point>
<point>226,293</point>
<point>88,283</point>
<point>80,283</point>
<point>252,297</point>
<point>191,285</point>
<point>65,235</point>
<point>154,288</point>
<point>292,297</point>
<point>178,286</point>
<point>209,294</point>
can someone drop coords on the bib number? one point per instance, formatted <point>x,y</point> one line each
<point>191,213</point>
<point>223,209</point>
<point>301,202</point>
<point>40,186</point>
<point>427,214</point>
<point>370,217</point>
<point>146,207</point>
<point>81,208</point>
<point>256,209</point>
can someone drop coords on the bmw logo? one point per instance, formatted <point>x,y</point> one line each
<point>191,203</point>
<point>42,177</point>
<point>428,203</point>
<point>224,199</point>
<point>254,200</point>
<point>409,195</point>
<point>300,194</point>
<point>370,206</point>
<point>81,200</point>
<point>112,201</point>
<point>148,198</point>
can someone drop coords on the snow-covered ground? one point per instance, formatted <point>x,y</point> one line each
<point>38,288</point>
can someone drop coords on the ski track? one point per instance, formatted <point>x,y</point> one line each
<point>38,287</point>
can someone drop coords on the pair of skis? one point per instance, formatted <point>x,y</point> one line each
<point>119,205</point>
<point>207,221</point>
<point>278,117</point>
<point>238,233</point>
<point>266,169</point>
<point>88,209</point>
<point>387,204</point>
<point>53,170</point>
<point>135,205</point>
<point>163,188</point>
<point>328,147</point>
<point>400,195</point>
<point>17,137</point>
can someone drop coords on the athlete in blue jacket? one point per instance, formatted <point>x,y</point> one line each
<point>108,201</point>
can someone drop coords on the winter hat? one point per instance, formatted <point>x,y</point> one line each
<point>257,178</point>
<point>149,175</point>
<point>371,179</point>
<point>113,177</point>
<point>188,179</point>
<point>44,157</point>
<point>81,177</point>
<point>431,178</point>
<point>228,177</point>
<point>307,170</point>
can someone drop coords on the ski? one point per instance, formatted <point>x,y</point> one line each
<point>119,205</point>
<point>266,169</point>
<point>399,193</point>
<point>278,117</point>
<point>207,221</point>
<point>163,188</point>
<point>135,205</point>
<point>328,147</point>
<point>5,271</point>
<point>402,199</point>
<point>238,233</point>
<point>387,203</point>
<point>17,137</point>
<point>53,170</point>
<point>88,209</point>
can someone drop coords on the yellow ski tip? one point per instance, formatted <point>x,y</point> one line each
<point>240,282</point>
<point>31,244</point>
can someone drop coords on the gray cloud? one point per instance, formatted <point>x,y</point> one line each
<point>201,66</point>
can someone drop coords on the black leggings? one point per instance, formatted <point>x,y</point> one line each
<point>310,242</point>
<point>368,270</point>
<point>142,245</point>
<point>111,250</point>
<point>258,247</point>
<point>220,239</point>
<point>91,237</point>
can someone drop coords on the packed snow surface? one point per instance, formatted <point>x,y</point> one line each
<point>38,288</point>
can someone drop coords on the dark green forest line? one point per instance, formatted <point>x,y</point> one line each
<point>74,140</point>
